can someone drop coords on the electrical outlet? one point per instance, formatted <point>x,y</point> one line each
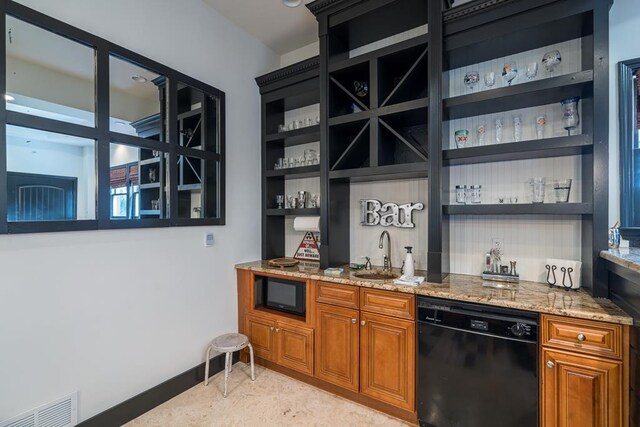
<point>498,244</point>
<point>208,240</point>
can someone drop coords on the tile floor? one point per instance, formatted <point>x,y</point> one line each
<point>272,400</point>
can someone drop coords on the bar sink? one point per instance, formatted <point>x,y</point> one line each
<point>376,275</point>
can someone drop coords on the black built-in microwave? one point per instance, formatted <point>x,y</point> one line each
<point>281,294</point>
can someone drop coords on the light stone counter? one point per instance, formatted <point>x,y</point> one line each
<point>529,296</point>
<point>625,257</point>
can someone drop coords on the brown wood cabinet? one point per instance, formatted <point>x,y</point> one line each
<point>387,360</point>
<point>337,345</point>
<point>295,347</point>
<point>260,331</point>
<point>281,342</point>
<point>584,373</point>
<point>580,391</point>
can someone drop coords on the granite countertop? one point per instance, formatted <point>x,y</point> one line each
<point>529,296</point>
<point>625,257</point>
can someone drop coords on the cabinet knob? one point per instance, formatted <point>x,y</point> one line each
<point>277,329</point>
<point>272,328</point>
<point>354,321</point>
<point>362,322</point>
<point>581,337</point>
<point>550,364</point>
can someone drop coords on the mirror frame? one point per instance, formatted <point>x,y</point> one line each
<point>102,134</point>
<point>626,69</point>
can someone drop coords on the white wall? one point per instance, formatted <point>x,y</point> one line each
<point>113,313</point>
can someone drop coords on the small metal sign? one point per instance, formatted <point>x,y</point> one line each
<point>388,214</point>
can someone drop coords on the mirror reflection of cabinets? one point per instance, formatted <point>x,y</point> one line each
<point>100,137</point>
<point>629,119</point>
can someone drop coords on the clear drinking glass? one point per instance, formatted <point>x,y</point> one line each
<point>490,79</point>
<point>532,70</point>
<point>498,130</point>
<point>280,200</point>
<point>571,118</point>
<point>461,193</point>
<point>481,132</point>
<point>537,189</point>
<point>309,155</point>
<point>313,201</point>
<point>475,193</point>
<point>541,122</point>
<point>290,202</point>
<point>562,188</point>
<point>517,128</point>
<point>461,136</point>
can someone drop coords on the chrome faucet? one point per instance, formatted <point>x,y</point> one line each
<point>387,257</point>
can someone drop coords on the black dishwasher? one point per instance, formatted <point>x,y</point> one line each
<point>477,365</point>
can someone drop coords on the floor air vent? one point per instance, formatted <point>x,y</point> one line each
<point>60,413</point>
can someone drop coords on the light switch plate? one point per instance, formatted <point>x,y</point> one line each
<point>208,240</point>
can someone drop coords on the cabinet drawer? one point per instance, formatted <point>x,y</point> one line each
<point>394,304</point>
<point>342,295</point>
<point>586,336</point>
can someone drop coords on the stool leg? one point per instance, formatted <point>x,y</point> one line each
<point>206,367</point>
<point>230,362</point>
<point>253,373</point>
<point>227,363</point>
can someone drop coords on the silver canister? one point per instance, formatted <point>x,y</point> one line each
<point>614,238</point>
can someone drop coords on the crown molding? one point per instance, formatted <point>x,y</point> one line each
<point>472,9</point>
<point>290,71</point>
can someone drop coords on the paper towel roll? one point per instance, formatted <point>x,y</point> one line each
<point>307,223</point>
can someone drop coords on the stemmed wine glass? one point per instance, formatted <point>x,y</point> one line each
<point>280,200</point>
<point>471,79</point>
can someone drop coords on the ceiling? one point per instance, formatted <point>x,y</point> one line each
<point>281,28</point>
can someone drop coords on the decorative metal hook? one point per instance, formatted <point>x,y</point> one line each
<point>569,271</point>
<point>551,270</point>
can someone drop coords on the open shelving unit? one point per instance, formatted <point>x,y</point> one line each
<point>482,31</point>
<point>399,126</point>
<point>379,132</point>
<point>386,124</point>
<point>285,90</point>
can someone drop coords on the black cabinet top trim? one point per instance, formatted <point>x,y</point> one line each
<point>473,8</point>
<point>290,71</point>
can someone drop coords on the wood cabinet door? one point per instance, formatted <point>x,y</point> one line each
<point>261,336</point>
<point>336,352</point>
<point>387,359</point>
<point>295,347</point>
<point>580,391</point>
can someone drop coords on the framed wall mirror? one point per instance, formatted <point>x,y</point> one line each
<point>96,136</point>
<point>629,120</point>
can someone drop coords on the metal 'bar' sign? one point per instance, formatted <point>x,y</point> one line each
<point>388,214</point>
